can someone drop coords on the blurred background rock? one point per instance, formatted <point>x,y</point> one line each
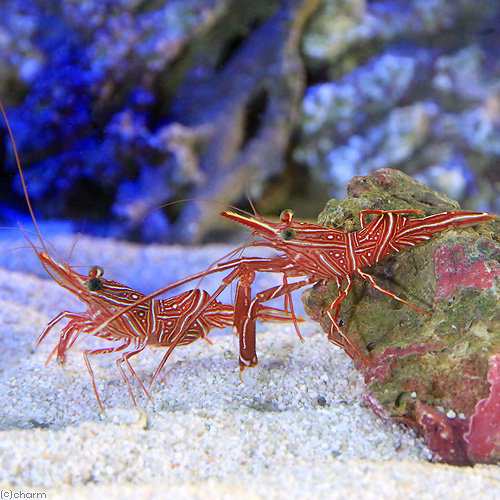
<point>121,106</point>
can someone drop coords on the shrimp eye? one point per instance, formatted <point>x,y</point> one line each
<point>96,272</point>
<point>286,216</point>
<point>94,284</point>
<point>288,233</point>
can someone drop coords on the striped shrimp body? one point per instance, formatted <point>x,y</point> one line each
<point>321,253</point>
<point>148,324</point>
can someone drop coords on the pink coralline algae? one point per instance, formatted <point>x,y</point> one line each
<point>483,436</point>
<point>383,364</point>
<point>443,435</point>
<point>468,440</point>
<point>454,270</point>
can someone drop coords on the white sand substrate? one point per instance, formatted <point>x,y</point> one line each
<point>296,428</point>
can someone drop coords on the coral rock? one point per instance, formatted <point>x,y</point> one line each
<point>427,370</point>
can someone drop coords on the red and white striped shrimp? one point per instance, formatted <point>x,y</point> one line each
<point>321,253</point>
<point>150,323</point>
<point>318,254</point>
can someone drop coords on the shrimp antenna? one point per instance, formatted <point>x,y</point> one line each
<point>23,180</point>
<point>205,200</point>
<point>252,206</point>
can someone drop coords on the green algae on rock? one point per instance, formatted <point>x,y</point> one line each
<point>428,370</point>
